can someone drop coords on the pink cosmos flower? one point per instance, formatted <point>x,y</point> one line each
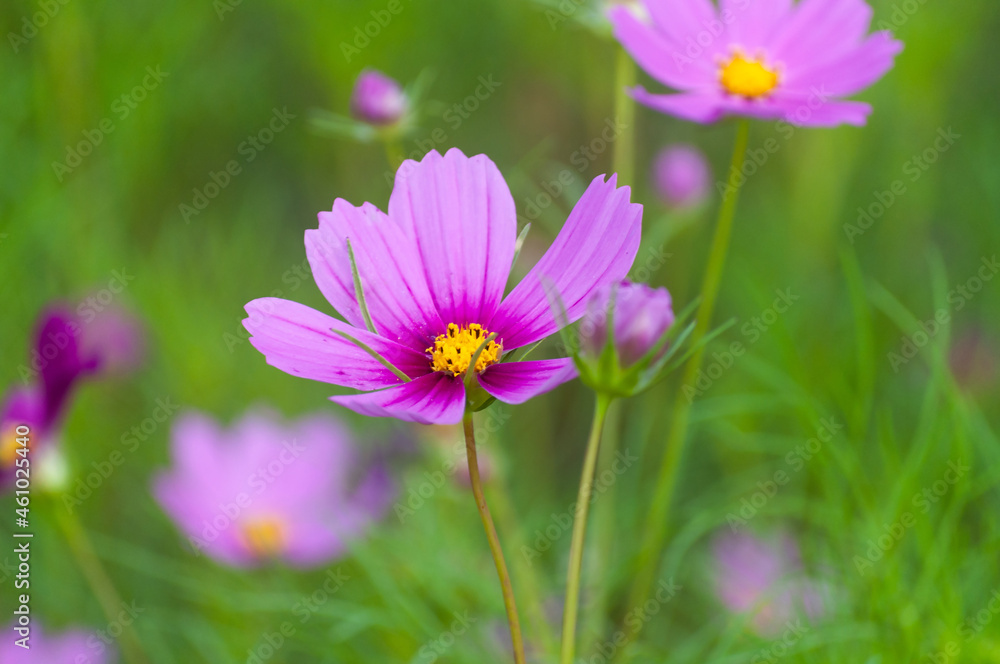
<point>377,99</point>
<point>763,576</point>
<point>266,489</point>
<point>765,59</point>
<point>433,272</point>
<point>69,647</point>
<point>681,176</point>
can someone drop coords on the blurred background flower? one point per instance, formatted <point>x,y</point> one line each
<point>73,646</point>
<point>762,576</point>
<point>265,490</point>
<point>377,99</point>
<point>681,176</point>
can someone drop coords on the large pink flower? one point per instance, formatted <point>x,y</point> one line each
<point>765,59</point>
<point>433,272</point>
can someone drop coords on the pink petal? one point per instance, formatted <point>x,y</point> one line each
<point>754,21</point>
<point>460,215</point>
<point>392,275</point>
<point>597,245</point>
<point>703,107</point>
<point>810,112</point>
<point>300,341</point>
<point>516,382</point>
<point>436,398</point>
<point>662,59</point>
<point>683,20</point>
<point>852,72</point>
<point>820,31</point>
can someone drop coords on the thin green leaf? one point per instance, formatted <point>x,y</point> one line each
<point>520,243</point>
<point>359,291</point>
<point>374,353</point>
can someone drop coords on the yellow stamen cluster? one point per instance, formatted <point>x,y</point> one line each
<point>8,446</point>
<point>453,350</point>
<point>265,537</point>
<point>747,78</point>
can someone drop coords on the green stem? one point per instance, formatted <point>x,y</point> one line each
<point>494,540</point>
<point>580,531</point>
<point>656,528</point>
<point>623,156</point>
<point>100,583</point>
<point>393,151</point>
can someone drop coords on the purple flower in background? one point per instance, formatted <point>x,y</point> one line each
<point>265,489</point>
<point>58,362</point>
<point>69,647</point>
<point>641,316</point>
<point>116,338</point>
<point>433,272</point>
<point>681,176</point>
<point>767,59</point>
<point>377,99</point>
<point>763,577</point>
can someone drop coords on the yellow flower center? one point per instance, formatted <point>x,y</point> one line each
<point>8,446</point>
<point>265,537</point>
<point>453,350</point>
<point>747,78</point>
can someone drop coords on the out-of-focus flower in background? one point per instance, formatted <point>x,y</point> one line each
<point>433,272</point>
<point>763,577</point>
<point>69,647</point>
<point>975,360</point>
<point>767,60</point>
<point>66,350</point>
<point>266,490</point>
<point>681,176</point>
<point>378,99</point>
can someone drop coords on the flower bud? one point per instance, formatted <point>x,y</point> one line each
<point>681,176</point>
<point>641,315</point>
<point>377,99</point>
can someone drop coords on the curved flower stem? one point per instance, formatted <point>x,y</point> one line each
<point>394,153</point>
<point>100,583</point>
<point>580,530</point>
<point>656,526</point>
<point>491,535</point>
<point>623,155</point>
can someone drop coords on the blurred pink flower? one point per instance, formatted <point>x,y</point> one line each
<point>70,647</point>
<point>265,489</point>
<point>681,176</point>
<point>116,337</point>
<point>767,59</point>
<point>764,577</point>
<point>377,99</point>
